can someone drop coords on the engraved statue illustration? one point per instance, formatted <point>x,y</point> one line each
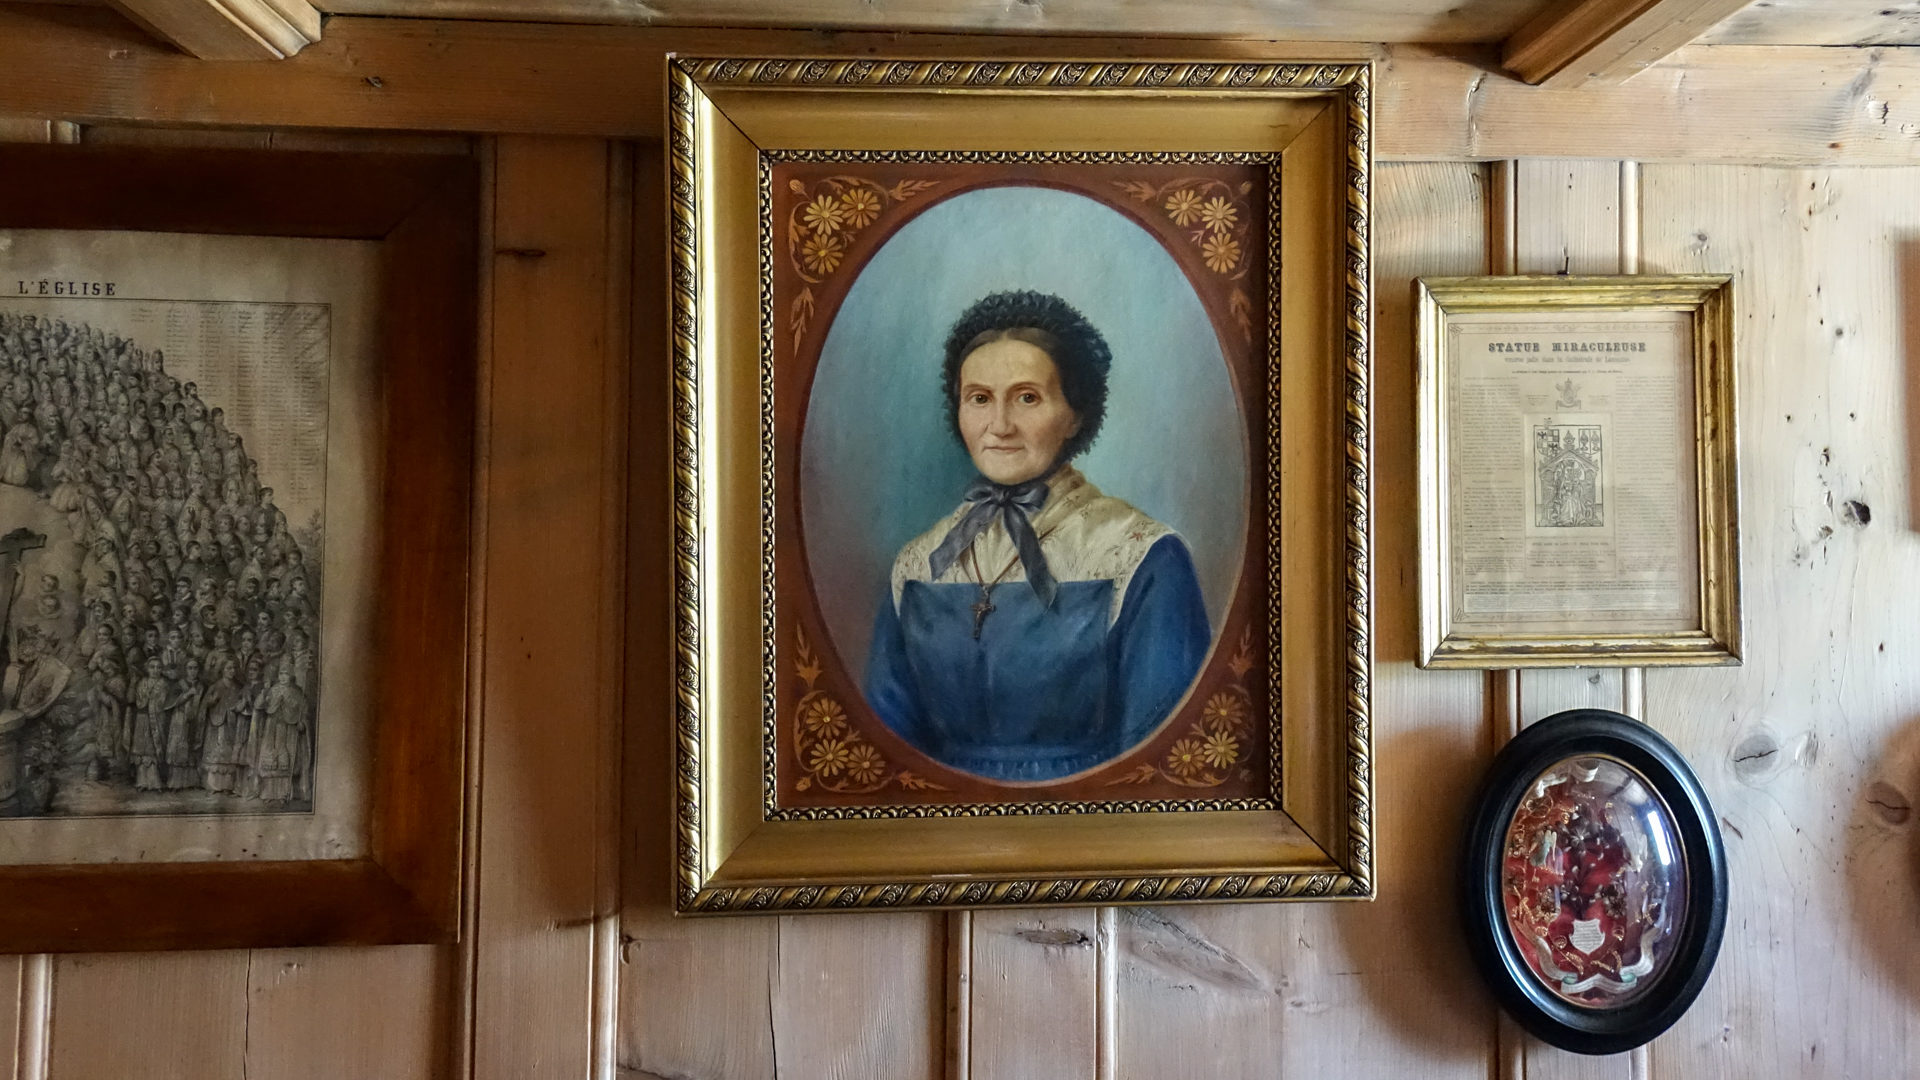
<point>159,615</point>
<point>1042,627</point>
<point>1567,472</point>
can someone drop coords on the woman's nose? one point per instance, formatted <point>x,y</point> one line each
<point>1000,421</point>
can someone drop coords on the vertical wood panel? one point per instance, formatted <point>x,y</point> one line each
<point>34,1013</point>
<point>860,998</point>
<point>1567,216</point>
<point>696,996</point>
<point>1545,691</point>
<point>546,691</point>
<point>370,1014</point>
<point>1633,680</point>
<point>1568,222</point>
<point>272,1014</point>
<point>1035,994</point>
<point>959,993</point>
<point>1380,989</point>
<point>1811,750</point>
<point>609,774</point>
<point>466,977</point>
<point>797,997</point>
<point>157,1016</point>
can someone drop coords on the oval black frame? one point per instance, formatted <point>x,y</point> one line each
<point>1604,733</point>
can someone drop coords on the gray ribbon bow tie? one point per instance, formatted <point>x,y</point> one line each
<point>1013,504</point>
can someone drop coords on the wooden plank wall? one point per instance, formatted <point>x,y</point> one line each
<point>1811,751</point>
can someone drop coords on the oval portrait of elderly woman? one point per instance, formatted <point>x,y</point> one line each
<point>1023,485</point>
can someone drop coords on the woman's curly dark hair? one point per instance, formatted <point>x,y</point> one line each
<point>1051,324</point>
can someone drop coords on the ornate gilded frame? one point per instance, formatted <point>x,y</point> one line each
<point>1314,839</point>
<point>1707,300</point>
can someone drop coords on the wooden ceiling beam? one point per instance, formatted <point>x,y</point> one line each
<point>228,29</point>
<point>1607,41</point>
<point>1450,22</point>
<point>1777,105</point>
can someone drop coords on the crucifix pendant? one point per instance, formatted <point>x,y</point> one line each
<point>982,608</point>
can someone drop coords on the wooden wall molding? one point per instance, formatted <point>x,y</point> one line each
<point>1821,22</point>
<point>228,29</point>
<point>545,872</point>
<point>1607,40</point>
<point>1775,105</point>
<point>1304,20</point>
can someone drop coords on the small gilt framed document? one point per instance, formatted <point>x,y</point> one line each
<point>1579,495</point>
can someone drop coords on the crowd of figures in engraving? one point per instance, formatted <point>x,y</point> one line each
<point>160,615</point>
<point>1566,465</point>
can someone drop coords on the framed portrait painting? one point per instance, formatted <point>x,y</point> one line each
<point>1022,481</point>
<point>232,546</point>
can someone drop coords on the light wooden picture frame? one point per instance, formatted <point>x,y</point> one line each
<point>1579,471</point>
<point>788,179</point>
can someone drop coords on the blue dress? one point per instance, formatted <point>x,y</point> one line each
<point>1043,692</point>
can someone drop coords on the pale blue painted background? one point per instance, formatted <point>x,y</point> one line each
<point>878,461</point>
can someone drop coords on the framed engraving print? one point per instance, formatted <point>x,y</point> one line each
<point>222,706</point>
<point>1579,496</point>
<point>1022,482</point>
<point>1594,884</point>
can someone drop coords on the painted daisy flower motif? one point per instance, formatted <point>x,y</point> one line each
<point>823,716</point>
<point>822,252</point>
<point>860,206</point>
<point>1223,712</point>
<point>1221,750</point>
<point>1221,252</point>
<point>1186,758</point>
<point>1183,206</point>
<point>865,765</point>
<point>825,214</point>
<point>1219,214</point>
<point>830,757</point>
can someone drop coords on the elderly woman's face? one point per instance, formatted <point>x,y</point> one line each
<point>1013,415</point>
